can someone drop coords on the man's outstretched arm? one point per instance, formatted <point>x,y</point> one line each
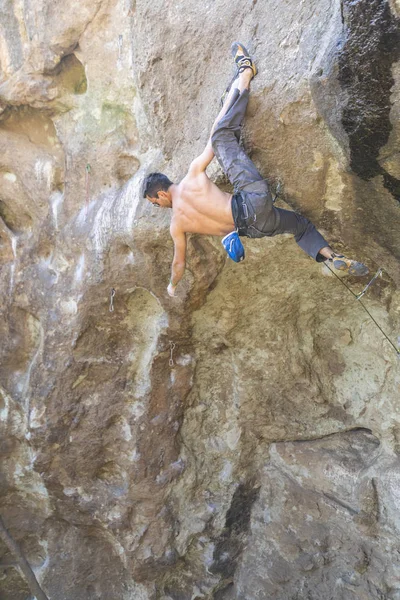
<point>179,261</point>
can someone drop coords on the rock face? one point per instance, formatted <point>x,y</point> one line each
<point>241,441</point>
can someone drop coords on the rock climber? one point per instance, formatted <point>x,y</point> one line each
<point>199,206</point>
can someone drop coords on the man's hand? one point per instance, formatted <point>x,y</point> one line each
<point>171,289</point>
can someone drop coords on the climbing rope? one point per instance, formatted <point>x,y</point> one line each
<point>359,296</point>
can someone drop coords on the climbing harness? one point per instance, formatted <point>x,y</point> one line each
<point>171,348</point>
<point>359,296</point>
<point>112,300</point>
<point>87,183</point>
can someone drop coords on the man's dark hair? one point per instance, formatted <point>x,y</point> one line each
<point>154,183</point>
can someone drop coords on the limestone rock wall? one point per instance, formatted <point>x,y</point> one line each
<point>242,440</point>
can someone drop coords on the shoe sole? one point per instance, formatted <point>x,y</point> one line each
<point>234,49</point>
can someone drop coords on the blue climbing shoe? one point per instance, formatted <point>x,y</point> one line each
<point>233,246</point>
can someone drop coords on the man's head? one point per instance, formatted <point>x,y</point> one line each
<point>155,189</point>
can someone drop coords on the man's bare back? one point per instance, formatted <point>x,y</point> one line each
<point>199,206</point>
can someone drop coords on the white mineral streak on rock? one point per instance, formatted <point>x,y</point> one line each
<point>4,410</point>
<point>135,455</point>
<point>226,472</point>
<point>49,264</point>
<point>40,571</point>
<point>14,243</point>
<point>37,417</point>
<point>44,172</point>
<point>126,430</point>
<point>137,409</point>
<point>56,200</point>
<point>116,214</point>
<point>232,437</point>
<point>85,212</point>
<point>78,274</point>
<point>120,46</point>
<point>146,319</point>
<point>104,224</point>
<point>335,187</point>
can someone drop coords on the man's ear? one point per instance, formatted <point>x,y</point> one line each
<point>162,195</point>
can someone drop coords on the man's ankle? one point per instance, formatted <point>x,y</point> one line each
<point>246,74</point>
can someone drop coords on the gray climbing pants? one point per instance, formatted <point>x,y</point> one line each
<point>252,208</point>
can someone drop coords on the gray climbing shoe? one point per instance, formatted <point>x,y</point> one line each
<point>243,61</point>
<point>242,58</point>
<point>352,267</point>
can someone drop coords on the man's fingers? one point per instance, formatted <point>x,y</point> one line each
<point>171,290</point>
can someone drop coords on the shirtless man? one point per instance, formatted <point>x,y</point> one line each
<point>199,206</point>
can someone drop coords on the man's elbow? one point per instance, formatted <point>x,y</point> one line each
<point>196,166</point>
<point>179,265</point>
